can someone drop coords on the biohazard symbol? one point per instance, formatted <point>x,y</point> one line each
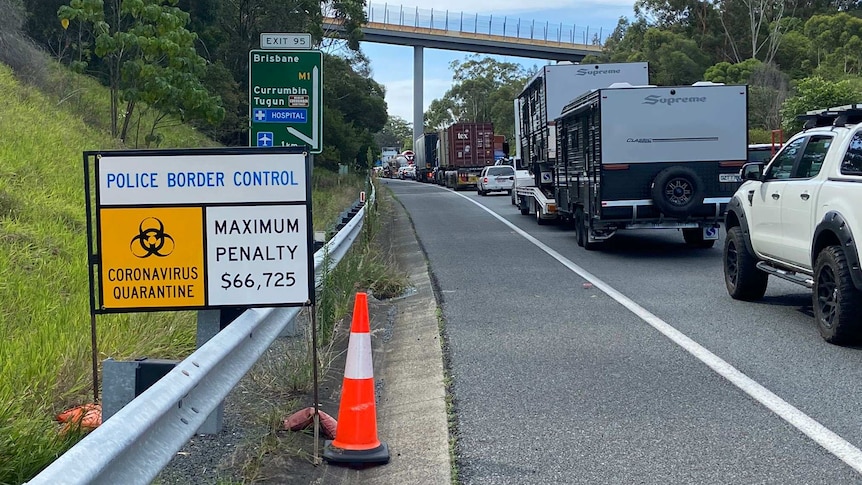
<point>152,240</point>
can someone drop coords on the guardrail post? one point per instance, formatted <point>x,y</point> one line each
<point>211,322</point>
<point>118,385</point>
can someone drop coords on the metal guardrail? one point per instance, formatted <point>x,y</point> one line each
<point>137,442</point>
<point>486,24</point>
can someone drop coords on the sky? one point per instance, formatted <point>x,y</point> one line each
<point>392,65</point>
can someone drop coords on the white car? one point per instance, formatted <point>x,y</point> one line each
<point>497,178</point>
<point>407,172</point>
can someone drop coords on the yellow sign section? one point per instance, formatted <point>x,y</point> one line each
<point>152,257</point>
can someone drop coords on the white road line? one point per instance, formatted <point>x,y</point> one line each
<point>833,443</point>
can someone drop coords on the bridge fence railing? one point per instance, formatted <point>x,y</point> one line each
<point>505,26</point>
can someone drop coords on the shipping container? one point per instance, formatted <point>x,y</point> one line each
<point>470,145</point>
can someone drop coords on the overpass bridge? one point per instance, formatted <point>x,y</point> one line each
<point>483,34</point>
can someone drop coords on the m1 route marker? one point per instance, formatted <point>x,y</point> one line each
<point>285,94</point>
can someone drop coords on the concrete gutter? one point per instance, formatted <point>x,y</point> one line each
<point>408,371</point>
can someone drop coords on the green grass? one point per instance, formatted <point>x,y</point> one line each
<point>45,356</point>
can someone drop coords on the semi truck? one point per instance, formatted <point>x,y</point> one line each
<point>537,106</point>
<point>426,156</point>
<point>648,157</point>
<point>464,149</point>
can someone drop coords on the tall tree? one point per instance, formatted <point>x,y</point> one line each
<point>482,91</point>
<point>836,43</point>
<point>150,57</point>
<point>354,109</point>
<point>752,28</point>
<point>395,133</point>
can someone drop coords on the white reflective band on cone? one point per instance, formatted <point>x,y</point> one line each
<point>359,365</point>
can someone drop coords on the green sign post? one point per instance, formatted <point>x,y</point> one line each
<point>285,97</point>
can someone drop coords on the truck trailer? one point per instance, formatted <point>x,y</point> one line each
<point>537,106</point>
<point>647,157</point>
<point>426,156</point>
<point>464,149</point>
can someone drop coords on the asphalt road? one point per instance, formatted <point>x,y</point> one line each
<point>629,364</point>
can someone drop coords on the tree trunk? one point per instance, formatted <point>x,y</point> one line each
<point>130,107</point>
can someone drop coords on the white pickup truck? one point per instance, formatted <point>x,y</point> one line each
<point>799,217</point>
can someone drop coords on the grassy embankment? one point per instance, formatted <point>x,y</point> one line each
<point>45,360</point>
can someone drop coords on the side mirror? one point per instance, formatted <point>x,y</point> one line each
<point>751,171</point>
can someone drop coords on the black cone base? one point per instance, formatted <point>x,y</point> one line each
<point>374,456</point>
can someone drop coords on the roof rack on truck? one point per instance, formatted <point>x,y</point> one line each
<point>837,116</point>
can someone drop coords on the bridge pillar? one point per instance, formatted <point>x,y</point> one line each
<point>418,79</point>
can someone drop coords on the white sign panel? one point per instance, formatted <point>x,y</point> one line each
<point>257,255</point>
<point>674,124</point>
<point>188,229</point>
<point>285,41</point>
<point>196,179</point>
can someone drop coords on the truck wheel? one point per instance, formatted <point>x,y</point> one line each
<point>694,238</point>
<point>524,206</point>
<point>676,191</point>
<point>741,276</point>
<point>582,232</point>
<point>539,219</point>
<point>837,303</point>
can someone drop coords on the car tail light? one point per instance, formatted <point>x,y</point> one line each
<point>485,180</point>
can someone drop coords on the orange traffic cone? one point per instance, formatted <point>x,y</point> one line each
<point>356,435</point>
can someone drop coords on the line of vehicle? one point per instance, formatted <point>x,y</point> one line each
<point>829,440</point>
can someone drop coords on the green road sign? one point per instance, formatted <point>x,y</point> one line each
<point>284,99</point>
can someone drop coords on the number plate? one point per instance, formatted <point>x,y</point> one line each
<point>729,177</point>
<point>710,233</point>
